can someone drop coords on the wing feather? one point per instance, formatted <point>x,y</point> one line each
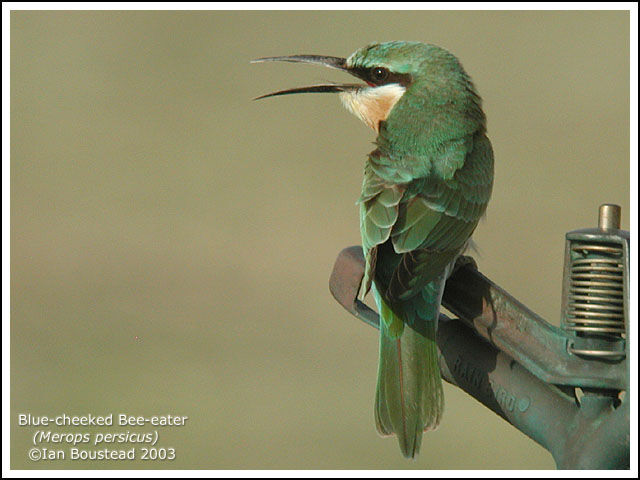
<point>424,223</point>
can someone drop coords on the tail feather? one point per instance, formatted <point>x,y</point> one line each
<point>409,396</point>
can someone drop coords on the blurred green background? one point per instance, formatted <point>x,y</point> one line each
<point>171,240</point>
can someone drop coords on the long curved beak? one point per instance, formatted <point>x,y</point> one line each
<point>330,62</point>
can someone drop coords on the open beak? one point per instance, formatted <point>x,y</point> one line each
<point>331,62</point>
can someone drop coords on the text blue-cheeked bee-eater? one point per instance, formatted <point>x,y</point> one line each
<point>426,185</point>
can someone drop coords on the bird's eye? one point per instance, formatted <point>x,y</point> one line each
<point>379,74</point>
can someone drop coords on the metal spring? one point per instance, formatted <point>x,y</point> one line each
<point>595,305</point>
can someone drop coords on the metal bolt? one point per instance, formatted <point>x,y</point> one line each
<point>609,217</point>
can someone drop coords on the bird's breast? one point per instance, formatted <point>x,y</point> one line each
<point>372,104</point>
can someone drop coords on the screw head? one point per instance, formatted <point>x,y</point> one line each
<point>609,217</point>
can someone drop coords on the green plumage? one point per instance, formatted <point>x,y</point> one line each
<point>425,188</point>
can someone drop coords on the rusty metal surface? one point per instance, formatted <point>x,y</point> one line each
<point>344,284</point>
<point>516,364</point>
<point>514,329</point>
<point>496,316</point>
<point>589,435</point>
<point>504,386</point>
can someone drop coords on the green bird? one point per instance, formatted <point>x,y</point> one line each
<point>426,186</point>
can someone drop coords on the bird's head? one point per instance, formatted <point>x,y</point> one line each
<point>389,71</point>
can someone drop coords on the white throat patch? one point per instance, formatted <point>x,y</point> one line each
<point>372,104</point>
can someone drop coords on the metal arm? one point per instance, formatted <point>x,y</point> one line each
<point>516,364</point>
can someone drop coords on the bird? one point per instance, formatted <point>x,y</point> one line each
<point>426,185</point>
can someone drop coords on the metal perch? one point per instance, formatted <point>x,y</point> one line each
<point>573,402</point>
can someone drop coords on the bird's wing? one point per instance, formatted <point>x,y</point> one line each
<point>378,214</point>
<point>428,219</point>
<point>434,226</point>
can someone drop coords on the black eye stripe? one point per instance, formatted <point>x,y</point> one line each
<point>368,75</point>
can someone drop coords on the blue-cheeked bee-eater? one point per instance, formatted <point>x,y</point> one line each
<point>426,186</point>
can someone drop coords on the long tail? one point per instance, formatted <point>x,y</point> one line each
<point>409,396</point>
